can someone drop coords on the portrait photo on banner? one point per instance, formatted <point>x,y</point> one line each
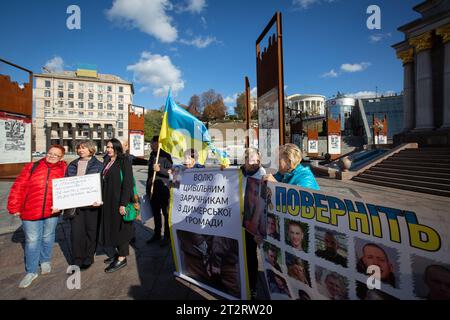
<point>387,259</point>
<point>296,234</point>
<point>431,279</point>
<point>298,269</point>
<point>272,255</point>
<point>211,260</point>
<point>331,246</point>
<point>278,286</point>
<point>331,284</point>
<point>255,207</point>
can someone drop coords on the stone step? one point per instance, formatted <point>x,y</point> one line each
<point>431,159</point>
<point>443,193</point>
<point>440,180</point>
<point>415,167</point>
<point>413,163</point>
<point>408,181</point>
<point>412,172</point>
<point>422,156</point>
<point>424,151</point>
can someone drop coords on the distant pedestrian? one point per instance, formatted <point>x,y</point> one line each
<point>31,199</point>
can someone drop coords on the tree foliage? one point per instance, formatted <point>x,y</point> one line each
<point>152,124</point>
<point>239,109</point>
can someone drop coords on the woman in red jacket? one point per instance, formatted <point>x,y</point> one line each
<point>30,198</point>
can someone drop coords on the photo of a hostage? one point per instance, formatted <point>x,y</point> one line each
<point>211,260</point>
<point>431,279</point>
<point>331,246</point>
<point>255,207</point>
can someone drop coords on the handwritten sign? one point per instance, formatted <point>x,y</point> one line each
<point>75,192</point>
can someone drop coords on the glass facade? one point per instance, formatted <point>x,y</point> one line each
<point>392,107</point>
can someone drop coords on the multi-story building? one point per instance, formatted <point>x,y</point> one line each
<point>79,105</point>
<point>311,105</point>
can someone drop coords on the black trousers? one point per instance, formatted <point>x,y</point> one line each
<point>160,203</point>
<point>84,236</point>
<point>252,259</point>
<point>122,250</point>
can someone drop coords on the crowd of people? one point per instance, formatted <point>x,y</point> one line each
<point>102,224</point>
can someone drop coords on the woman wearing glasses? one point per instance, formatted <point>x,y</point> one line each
<point>30,199</point>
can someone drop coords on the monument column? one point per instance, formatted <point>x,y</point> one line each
<point>407,57</point>
<point>445,33</point>
<point>424,82</point>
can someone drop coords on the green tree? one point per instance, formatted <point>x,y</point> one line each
<point>240,107</point>
<point>152,124</point>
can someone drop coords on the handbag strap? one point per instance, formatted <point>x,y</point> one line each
<point>121,178</point>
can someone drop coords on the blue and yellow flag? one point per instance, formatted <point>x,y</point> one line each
<point>181,131</point>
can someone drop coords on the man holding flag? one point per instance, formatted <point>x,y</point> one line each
<point>180,131</point>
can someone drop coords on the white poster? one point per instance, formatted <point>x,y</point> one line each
<point>269,130</point>
<point>75,192</point>
<point>313,146</point>
<point>325,246</point>
<point>380,139</point>
<point>137,144</point>
<point>207,233</point>
<point>15,139</point>
<point>334,144</point>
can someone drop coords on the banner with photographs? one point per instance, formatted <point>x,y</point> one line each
<point>15,138</point>
<point>206,228</point>
<point>254,215</point>
<point>324,246</point>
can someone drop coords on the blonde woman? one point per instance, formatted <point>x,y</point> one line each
<point>291,171</point>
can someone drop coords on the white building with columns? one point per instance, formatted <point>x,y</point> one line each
<point>425,54</point>
<point>73,106</point>
<point>311,105</point>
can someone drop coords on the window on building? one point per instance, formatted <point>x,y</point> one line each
<point>120,133</point>
<point>80,105</point>
<point>70,104</point>
<point>47,93</point>
<point>81,113</point>
<point>60,104</point>
<point>70,86</point>
<point>121,89</point>
<point>70,95</point>
<point>120,125</point>
<point>120,106</point>
<point>109,97</point>
<point>100,106</point>
<point>80,95</point>
<point>60,94</point>
<point>109,89</point>
<point>90,113</point>
<point>60,85</point>
<point>110,106</point>
<point>71,112</point>
<point>121,116</point>
<point>100,97</point>
<point>47,103</point>
<point>60,112</point>
<point>90,87</point>
<point>120,98</point>
<point>100,114</point>
<point>110,115</point>
<point>48,84</point>
<point>90,105</point>
<point>80,86</point>
<point>100,88</point>
<point>91,96</point>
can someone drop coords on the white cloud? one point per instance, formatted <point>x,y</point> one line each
<point>204,23</point>
<point>254,92</point>
<point>330,74</point>
<point>200,42</point>
<point>158,72</point>
<point>149,16</point>
<point>356,67</point>
<point>370,94</point>
<point>231,99</point>
<point>196,6</point>
<point>56,64</point>
<point>305,4</point>
<point>378,37</point>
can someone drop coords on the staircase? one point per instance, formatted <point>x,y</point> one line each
<point>425,170</point>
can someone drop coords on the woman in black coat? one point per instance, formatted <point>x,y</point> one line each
<point>84,221</point>
<point>116,194</point>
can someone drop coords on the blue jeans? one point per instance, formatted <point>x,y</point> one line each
<point>39,240</point>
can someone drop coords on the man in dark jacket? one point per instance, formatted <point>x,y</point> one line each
<point>160,197</point>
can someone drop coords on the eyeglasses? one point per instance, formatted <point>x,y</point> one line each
<point>52,155</point>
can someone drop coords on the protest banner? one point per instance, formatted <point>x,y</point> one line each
<point>206,228</point>
<point>75,192</point>
<point>254,219</point>
<point>331,247</point>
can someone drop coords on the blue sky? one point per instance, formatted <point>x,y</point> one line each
<point>197,45</point>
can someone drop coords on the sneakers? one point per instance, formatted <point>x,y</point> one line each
<point>116,265</point>
<point>27,280</point>
<point>46,268</point>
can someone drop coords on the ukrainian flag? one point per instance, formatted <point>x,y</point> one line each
<point>181,131</point>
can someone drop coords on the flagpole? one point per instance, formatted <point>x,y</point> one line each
<point>154,172</point>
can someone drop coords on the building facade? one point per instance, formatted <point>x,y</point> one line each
<point>72,106</point>
<point>311,105</point>
<point>425,54</point>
